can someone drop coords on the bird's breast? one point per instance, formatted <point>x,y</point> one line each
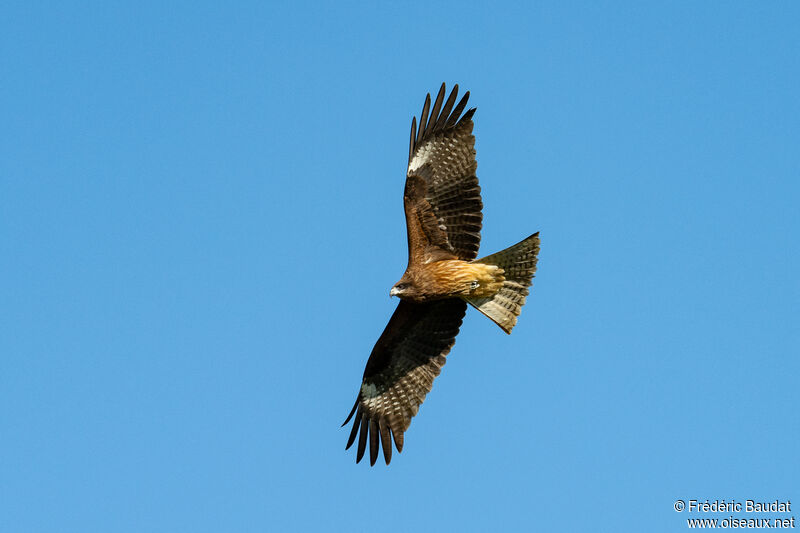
<point>456,278</point>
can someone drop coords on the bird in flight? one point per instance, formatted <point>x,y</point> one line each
<point>443,205</point>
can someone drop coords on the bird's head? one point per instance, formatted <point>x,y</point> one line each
<point>403,289</point>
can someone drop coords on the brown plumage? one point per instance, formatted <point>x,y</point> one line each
<point>443,205</point>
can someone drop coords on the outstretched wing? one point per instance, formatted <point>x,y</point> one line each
<point>442,197</point>
<point>400,372</point>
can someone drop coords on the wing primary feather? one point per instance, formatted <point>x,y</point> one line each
<point>467,116</point>
<point>448,106</point>
<point>353,432</point>
<point>353,410</point>
<point>373,441</point>
<point>362,437</point>
<point>412,143</point>
<point>386,440</point>
<point>435,111</point>
<point>398,439</point>
<point>423,119</point>
<point>457,111</point>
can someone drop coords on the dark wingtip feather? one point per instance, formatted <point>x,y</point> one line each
<point>373,442</point>
<point>398,440</point>
<point>353,431</point>
<point>353,410</point>
<point>448,106</point>
<point>362,438</point>
<point>423,118</point>
<point>437,105</point>
<point>467,116</point>
<point>438,118</point>
<point>454,116</point>
<point>413,142</point>
<point>386,441</point>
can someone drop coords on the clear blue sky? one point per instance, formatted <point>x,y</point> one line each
<point>201,219</point>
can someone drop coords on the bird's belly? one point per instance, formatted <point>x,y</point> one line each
<point>456,278</point>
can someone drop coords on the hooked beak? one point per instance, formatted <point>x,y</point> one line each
<point>394,292</point>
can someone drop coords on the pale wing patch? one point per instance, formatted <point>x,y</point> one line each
<point>369,390</point>
<point>423,155</point>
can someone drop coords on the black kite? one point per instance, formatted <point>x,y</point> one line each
<point>443,217</point>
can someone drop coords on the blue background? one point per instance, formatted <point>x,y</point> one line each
<point>201,218</point>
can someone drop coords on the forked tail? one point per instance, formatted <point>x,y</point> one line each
<point>519,264</point>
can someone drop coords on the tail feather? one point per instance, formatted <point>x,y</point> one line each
<point>519,265</point>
